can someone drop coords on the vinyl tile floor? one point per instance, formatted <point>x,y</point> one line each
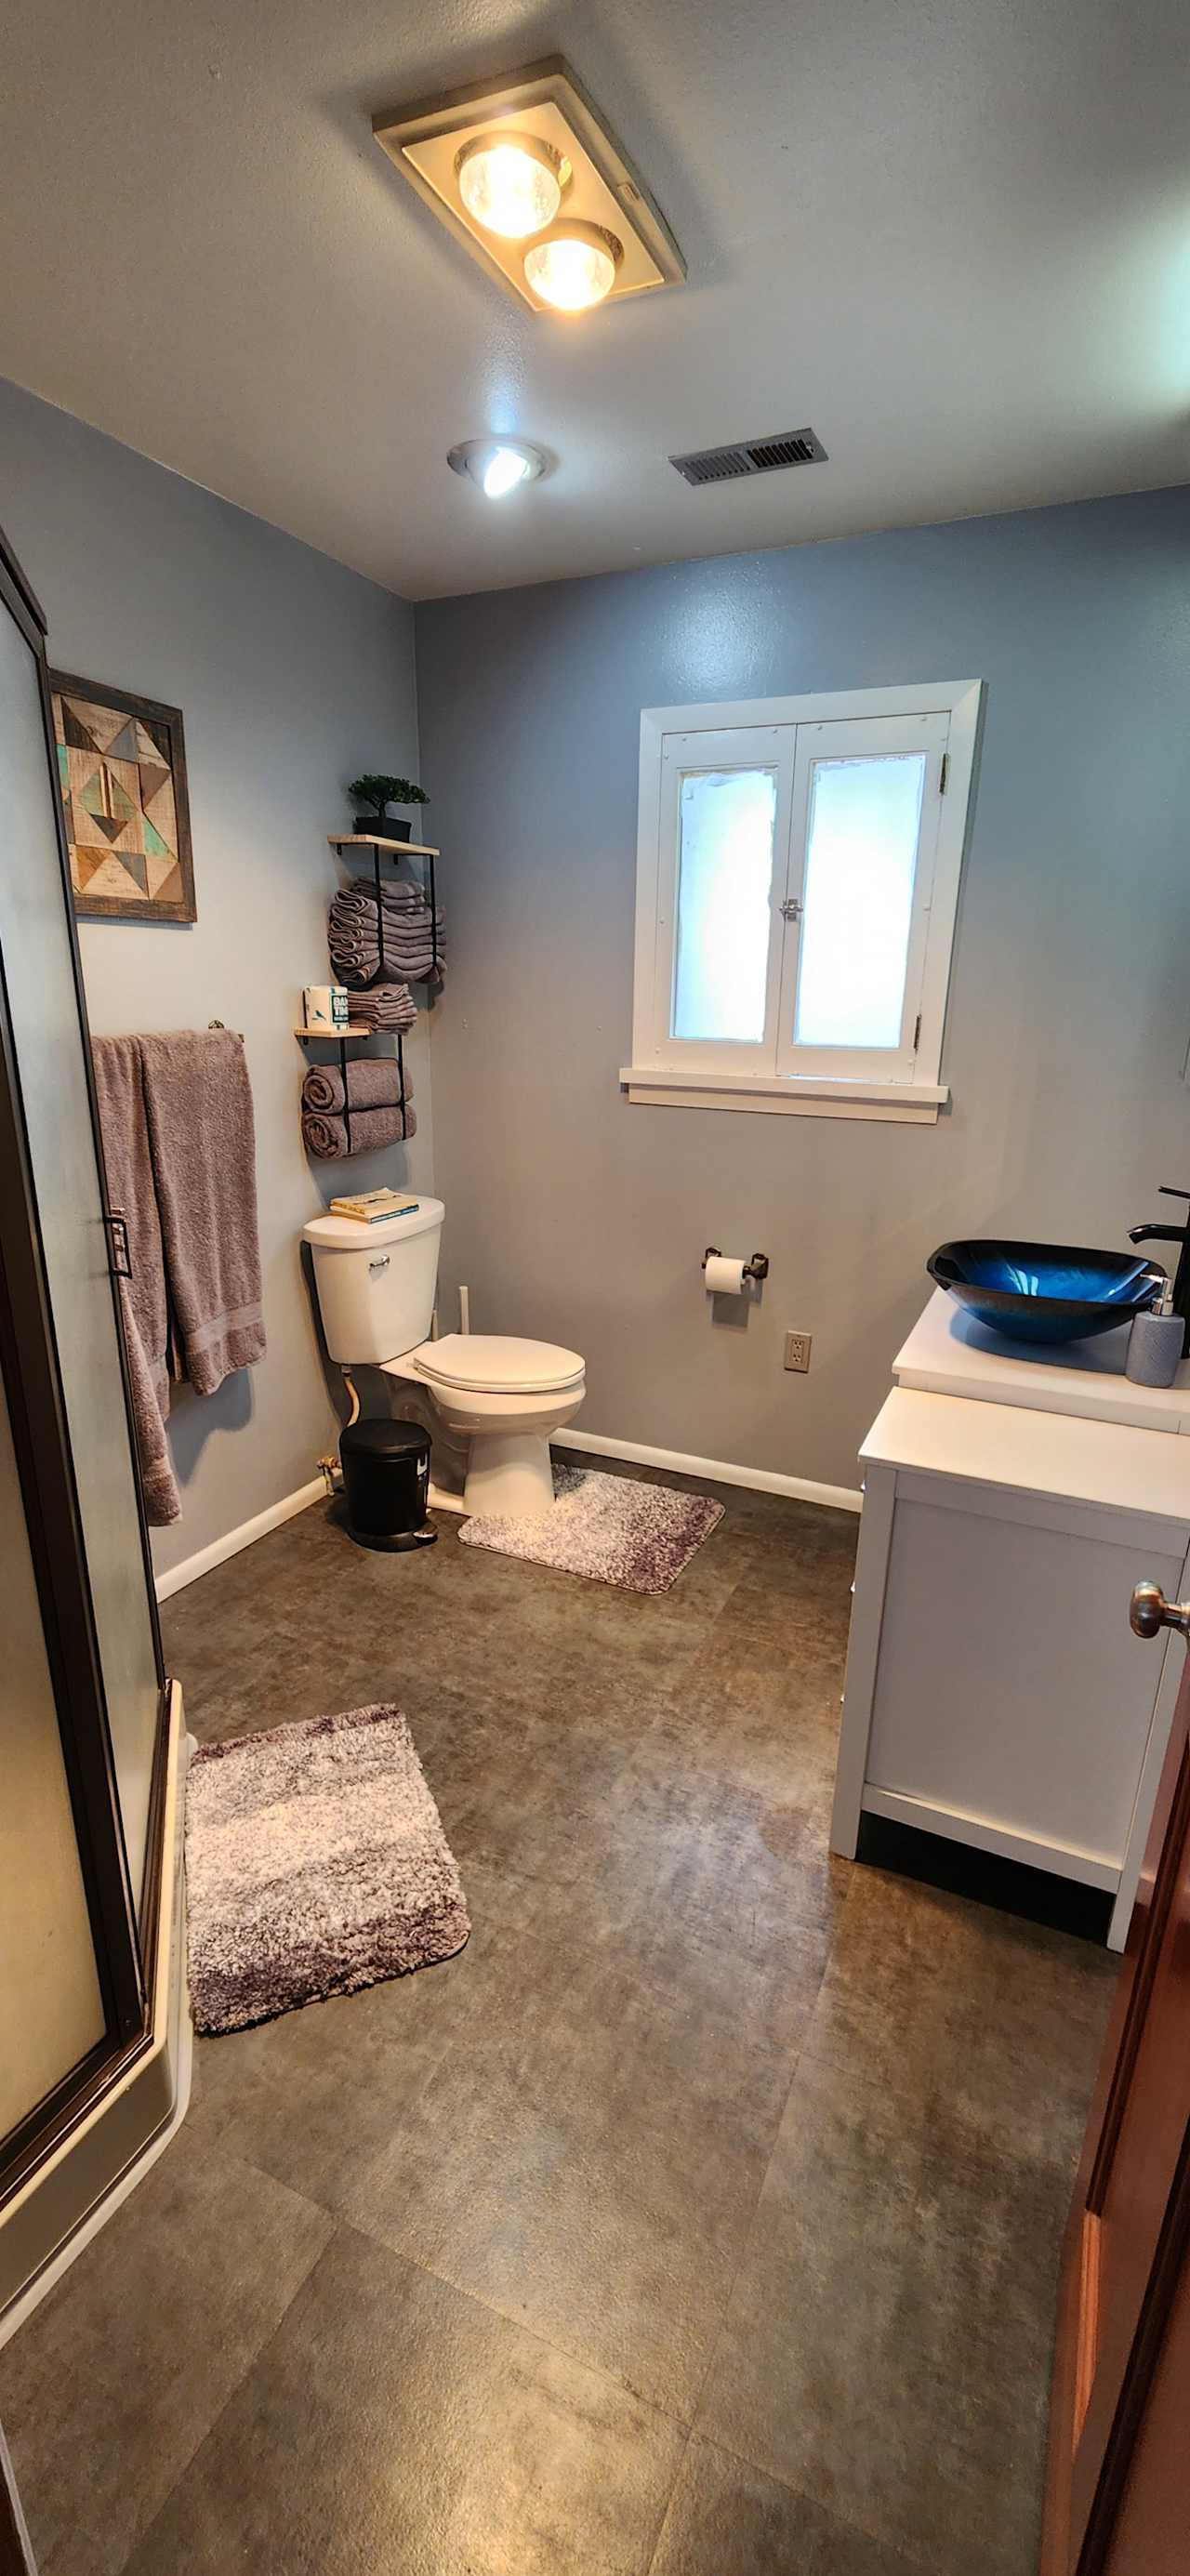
<point>701,2217</point>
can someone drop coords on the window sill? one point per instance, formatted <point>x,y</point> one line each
<point>906,1104</point>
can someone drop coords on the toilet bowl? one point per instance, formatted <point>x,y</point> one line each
<point>509,1396</point>
<point>505,1396</point>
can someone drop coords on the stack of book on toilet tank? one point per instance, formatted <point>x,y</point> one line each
<point>369,1206</point>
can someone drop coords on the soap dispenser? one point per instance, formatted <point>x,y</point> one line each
<point>1155,1343</point>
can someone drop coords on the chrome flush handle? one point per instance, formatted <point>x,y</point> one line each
<point>791,909</point>
<point>1149,1611</point>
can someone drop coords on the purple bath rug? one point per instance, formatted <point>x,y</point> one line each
<point>610,1528</point>
<point>315,1864</point>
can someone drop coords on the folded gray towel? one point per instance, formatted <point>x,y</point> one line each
<point>129,1172</point>
<point>385,1006</point>
<point>327,1136</point>
<point>373,1082</point>
<point>199,1103</point>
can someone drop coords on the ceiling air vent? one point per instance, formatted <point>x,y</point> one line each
<point>752,456</point>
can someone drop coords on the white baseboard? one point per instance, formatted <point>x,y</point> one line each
<point>178,1576</point>
<point>760,1480</point>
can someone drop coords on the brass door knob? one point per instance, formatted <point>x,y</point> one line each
<point>1149,1610</point>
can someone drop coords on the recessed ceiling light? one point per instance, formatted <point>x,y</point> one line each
<point>498,465</point>
<point>575,266</point>
<point>499,162</point>
<point>511,183</point>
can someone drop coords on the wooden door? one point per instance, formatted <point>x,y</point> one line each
<point>1117,2501</point>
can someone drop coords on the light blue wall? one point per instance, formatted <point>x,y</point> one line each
<point>292,675</point>
<point>574,1215</point>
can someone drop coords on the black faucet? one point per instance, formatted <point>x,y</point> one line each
<point>1172,1234</point>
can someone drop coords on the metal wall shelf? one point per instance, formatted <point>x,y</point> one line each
<point>341,841</point>
<point>342,1038</point>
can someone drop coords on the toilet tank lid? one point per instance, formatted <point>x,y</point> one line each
<point>346,1234</point>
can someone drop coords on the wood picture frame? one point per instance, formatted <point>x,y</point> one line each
<point>122,775</point>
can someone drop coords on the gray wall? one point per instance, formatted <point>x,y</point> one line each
<point>292,674</point>
<point>574,1215</point>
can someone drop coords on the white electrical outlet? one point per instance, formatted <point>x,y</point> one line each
<point>797,1351</point>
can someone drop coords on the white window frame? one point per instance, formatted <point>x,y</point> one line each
<point>901,1084</point>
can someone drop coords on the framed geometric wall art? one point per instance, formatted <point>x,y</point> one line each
<point>122,767</point>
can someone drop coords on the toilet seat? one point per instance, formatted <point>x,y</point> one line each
<point>499,1364</point>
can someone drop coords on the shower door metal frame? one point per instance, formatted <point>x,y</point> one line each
<point>125,1954</point>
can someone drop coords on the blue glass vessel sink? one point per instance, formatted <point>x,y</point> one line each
<point>1045,1292</point>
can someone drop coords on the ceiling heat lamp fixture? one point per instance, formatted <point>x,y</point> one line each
<point>530,179</point>
<point>510,183</point>
<point>574,265</point>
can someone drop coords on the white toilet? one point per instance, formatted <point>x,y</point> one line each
<point>376,1288</point>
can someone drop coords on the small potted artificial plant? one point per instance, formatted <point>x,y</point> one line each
<point>377,794</point>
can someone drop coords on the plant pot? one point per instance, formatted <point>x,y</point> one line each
<point>381,827</point>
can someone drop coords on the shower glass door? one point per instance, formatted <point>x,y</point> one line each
<point>51,1074</point>
<point>82,1701</point>
<point>51,2005</point>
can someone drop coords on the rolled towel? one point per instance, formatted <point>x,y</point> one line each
<point>359,970</point>
<point>400,904</point>
<point>401,929</point>
<point>359,967</point>
<point>413,941</point>
<point>385,1006</point>
<point>327,1137</point>
<point>395,898</point>
<point>373,1082</point>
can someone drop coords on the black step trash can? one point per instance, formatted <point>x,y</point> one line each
<point>386,1479</point>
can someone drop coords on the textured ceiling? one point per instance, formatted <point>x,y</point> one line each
<point>953,236</point>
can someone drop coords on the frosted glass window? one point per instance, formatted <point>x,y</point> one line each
<point>861,858</point>
<point>725,881</point>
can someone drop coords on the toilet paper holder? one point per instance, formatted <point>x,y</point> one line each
<point>756,1268</point>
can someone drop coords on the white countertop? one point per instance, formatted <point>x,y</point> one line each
<point>1111,1467</point>
<point>948,1353</point>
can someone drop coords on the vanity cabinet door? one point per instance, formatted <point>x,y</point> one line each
<point>1009,1692</point>
<point>1116,2503</point>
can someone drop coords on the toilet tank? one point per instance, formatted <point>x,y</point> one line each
<point>376,1283</point>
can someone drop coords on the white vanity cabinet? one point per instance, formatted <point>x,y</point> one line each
<point>995,1693</point>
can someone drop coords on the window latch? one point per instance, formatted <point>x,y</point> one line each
<point>791,909</point>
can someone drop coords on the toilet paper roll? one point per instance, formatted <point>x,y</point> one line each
<point>324,1006</point>
<point>724,1278</point>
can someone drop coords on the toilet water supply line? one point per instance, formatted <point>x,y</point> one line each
<point>328,1465</point>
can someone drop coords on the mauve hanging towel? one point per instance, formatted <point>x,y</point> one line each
<point>201,1133</point>
<point>128,1165</point>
